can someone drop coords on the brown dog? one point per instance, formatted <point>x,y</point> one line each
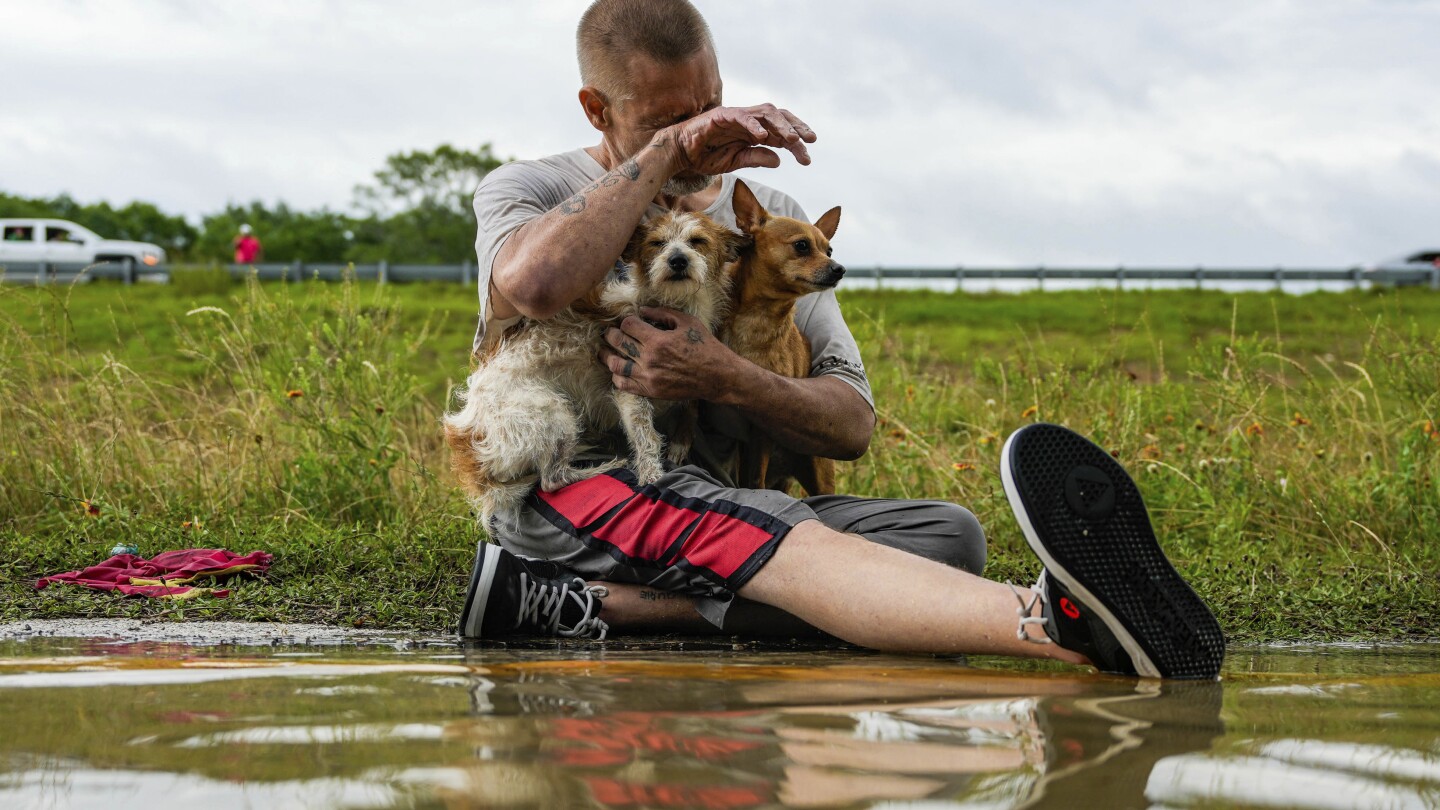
<point>787,260</point>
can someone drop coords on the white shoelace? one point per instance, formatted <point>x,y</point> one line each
<point>541,602</point>
<point>1037,595</point>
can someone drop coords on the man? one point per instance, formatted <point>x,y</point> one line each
<point>247,246</point>
<point>892,575</point>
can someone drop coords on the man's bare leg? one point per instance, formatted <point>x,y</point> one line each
<point>641,608</point>
<point>887,599</point>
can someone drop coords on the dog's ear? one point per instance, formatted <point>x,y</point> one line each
<point>631,253</point>
<point>829,222</point>
<point>750,216</point>
<point>732,243</point>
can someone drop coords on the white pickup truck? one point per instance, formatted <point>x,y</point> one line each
<point>26,241</point>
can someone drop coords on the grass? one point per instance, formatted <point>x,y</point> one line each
<point>1286,444</point>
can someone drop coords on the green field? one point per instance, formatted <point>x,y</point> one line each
<point>1286,444</point>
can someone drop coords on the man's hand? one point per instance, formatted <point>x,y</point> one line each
<point>666,354</point>
<point>729,138</point>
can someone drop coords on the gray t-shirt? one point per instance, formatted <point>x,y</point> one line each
<point>518,192</point>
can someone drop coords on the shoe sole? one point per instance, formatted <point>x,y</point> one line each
<point>482,576</point>
<point>1068,494</point>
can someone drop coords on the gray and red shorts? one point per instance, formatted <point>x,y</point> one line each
<point>691,534</point>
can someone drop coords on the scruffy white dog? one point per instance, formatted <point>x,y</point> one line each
<point>529,402</point>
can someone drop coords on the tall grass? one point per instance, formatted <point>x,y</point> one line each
<point>1295,487</point>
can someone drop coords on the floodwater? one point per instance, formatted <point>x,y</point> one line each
<point>710,725</point>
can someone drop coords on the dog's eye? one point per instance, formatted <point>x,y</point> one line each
<point>657,243</point>
<point>698,241</point>
<point>802,247</point>
<point>829,251</point>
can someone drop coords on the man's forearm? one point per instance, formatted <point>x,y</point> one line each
<point>558,257</point>
<point>817,416</point>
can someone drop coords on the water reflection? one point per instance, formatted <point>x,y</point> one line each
<point>844,736</point>
<point>711,729</point>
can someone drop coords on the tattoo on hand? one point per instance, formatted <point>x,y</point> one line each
<point>629,368</point>
<point>574,205</point>
<point>630,169</point>
<point>630,348</point>
<point>694,336</point>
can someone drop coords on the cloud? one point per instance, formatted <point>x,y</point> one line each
<point>960,133</point>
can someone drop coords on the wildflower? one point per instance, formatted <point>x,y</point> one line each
<point>1169,420</point>
<point>988,439</point>
<point>897,434</point>
<point>1255,429</point>
<point>1299,421</point>
<point>1320,453</point>
<point>191,524</point>
<point>1200,425</point>
<point>961,466</point>
<point>379,409</point>
<point>294,393</point>
<point>1030,411</point>
<point>374,463</point>
<point>1180,448</point>
<point>909,392</point>
<point>1150,452</point>
<point>1284,485</point>
<point>1368,457</point>
<point>989,403</point>
<point>1114,453</point>
<point>89,508</point>
<point>259,440</point>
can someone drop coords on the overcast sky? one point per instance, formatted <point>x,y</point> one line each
<point>1077,132</point>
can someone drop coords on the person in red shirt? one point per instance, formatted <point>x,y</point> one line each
<point>247,246</point>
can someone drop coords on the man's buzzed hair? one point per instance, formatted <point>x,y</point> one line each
<point>668,31</point>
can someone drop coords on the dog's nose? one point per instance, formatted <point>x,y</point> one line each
<point>678,262</point>
<point>837,270</point>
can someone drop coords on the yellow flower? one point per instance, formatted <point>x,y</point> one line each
<point>1255,429</point>
<point>961,466</point>
<point>294,393</point>
<point>988,440</point>
<point>1299,421</point>
<point>1030,411</point>
<point>91,509</point>
<point>1150,452</point>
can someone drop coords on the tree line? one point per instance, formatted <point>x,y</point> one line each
<point>415,209</point>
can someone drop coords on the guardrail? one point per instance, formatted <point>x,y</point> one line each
<point>464,273</point>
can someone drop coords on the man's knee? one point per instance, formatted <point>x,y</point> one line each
<point>967,550</point>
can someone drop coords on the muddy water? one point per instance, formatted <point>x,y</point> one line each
<point>148,724</point>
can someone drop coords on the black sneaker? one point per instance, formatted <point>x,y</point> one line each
<point>1108,592</point>
<point>511,595</point>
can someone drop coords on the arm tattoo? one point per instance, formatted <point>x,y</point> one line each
<point>574,205</point>
<point>629,170</point>
<point>694,336</point>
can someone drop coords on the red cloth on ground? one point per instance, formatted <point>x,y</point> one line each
<point>165,575</point>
